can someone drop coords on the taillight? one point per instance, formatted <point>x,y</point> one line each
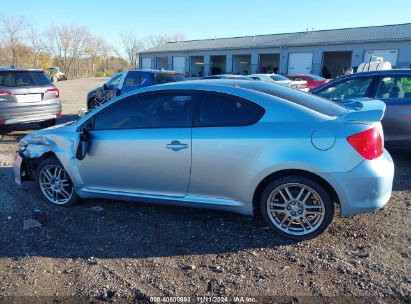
<point>59,114</point>
<point>368,143</point>
<point>54,90</point>
<point>5,93</point>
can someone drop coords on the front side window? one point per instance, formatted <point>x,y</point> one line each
<point>394,87</point>
<point>153,110</point>
<point>350,88</point>
<point>115,81</point>
<point>216,109</point>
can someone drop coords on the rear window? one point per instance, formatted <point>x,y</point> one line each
<point>23,79</point>
<point>318,104</point>
<point>165,77</point>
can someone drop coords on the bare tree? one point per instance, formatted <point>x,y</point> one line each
<point>68,45</point>
<point>157,40</point>
<point>58,42</point>
<point>12,31</point>
<point>131,46</point>
<point>81,38</point>
<point>97,48</point>
<point>35,42</point>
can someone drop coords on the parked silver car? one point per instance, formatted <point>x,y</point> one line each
<point>27,95</point>
<point>242,146</point>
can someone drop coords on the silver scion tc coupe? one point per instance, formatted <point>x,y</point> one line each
<point>241,146</point>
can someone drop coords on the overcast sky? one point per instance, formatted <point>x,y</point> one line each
<point>199,19</point>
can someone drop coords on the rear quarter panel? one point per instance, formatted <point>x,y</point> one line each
<point>234,160</point>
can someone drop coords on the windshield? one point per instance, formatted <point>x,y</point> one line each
<point>278,77</point>
<point>23,79</point>
<point>165,77</point>
<point>321,105</point>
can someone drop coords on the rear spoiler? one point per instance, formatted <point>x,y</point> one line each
<point>364,110</point>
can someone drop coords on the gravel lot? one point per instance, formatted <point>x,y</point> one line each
<point>116,251</point>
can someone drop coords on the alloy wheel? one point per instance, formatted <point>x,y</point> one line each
<point>55,184</point>
<point>295,209</point>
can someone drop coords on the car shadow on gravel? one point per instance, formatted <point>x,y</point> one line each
<point>114,229</point>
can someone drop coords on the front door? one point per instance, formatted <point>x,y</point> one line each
<point>141,145</point>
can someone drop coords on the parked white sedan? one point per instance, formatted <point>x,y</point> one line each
<point>279,79</point>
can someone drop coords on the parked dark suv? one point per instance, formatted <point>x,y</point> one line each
<point>27,95</point>
<point>391,86</point>
<point>127,81</point>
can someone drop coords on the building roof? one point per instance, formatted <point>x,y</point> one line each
<point>396,32</point>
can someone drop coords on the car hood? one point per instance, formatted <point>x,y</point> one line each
<point>38,136</point>
<point>95,90</point>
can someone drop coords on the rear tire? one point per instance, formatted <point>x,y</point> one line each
<point>296,207</point>
<point>54,184</point>
<point>47,123</point>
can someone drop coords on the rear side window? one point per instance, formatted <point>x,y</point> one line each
<point>215,109</point>
<point>23,79</point>
<point>134,79</point>
<point>320,105</point>
<point>165,77</point>
<point>396,87</point>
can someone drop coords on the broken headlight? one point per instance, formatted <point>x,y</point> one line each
<point>22,146</point>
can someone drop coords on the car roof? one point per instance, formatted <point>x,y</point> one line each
<point>267,74</point>
<point>20,69</point>
<point>380,72</point>
<point>155,71</point>
<point>293,75</point>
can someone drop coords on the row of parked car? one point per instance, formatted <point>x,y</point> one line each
<point>391,86</point>
<point>244,146</point>
<point>124,82</point>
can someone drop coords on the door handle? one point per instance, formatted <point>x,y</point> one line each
<point>175,145</point>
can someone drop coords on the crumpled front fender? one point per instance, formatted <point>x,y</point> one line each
<point>61,145</point>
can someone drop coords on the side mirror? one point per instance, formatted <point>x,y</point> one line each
<point>83,144</point>
<point>105,86</point>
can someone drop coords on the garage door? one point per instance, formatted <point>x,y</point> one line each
<point>388,55</point>
<point>146,63</point>
<point>300,63</point>
<point>179,64</point>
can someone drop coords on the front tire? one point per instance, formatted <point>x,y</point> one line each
<point>93,103</point>
<point>296,207</point>
<point>54,184</point>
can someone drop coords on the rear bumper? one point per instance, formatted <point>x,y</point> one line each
<point>366,188</point>
<point>15,113</point>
